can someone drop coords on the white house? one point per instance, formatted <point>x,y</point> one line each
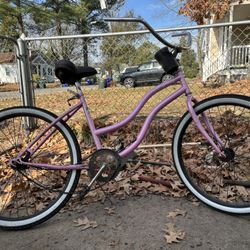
<point>227,49</point>
<point>42,68</point>
<point>39,66</point>
<point>8,68</point>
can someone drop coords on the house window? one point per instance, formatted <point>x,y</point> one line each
<point>7,71</point>
<point>50,71</point>
<point>44,72</point>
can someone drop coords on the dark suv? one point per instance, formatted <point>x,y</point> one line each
<point>146,73</point>
<point>126,72</point>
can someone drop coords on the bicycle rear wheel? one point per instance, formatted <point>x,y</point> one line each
<point>221,184</point>
<point>29,195</point>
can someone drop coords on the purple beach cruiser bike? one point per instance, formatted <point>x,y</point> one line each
<point>40,157</point>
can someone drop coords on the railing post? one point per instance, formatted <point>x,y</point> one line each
<point>230,44</point>
<point>25,73</point>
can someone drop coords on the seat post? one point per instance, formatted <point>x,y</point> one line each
<point>78,88</point>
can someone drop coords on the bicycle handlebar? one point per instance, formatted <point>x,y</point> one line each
<point>149,27</point>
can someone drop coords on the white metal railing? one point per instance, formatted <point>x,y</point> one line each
<point>240,56</point>
<point>211,67</point>
<point>237,57</point>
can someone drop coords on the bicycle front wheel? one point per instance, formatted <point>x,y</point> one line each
<point>221,184</point>
<point>29,195</point>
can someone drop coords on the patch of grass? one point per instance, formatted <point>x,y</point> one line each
<point>120,101</point>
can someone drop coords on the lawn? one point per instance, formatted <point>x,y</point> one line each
<point>119,101</point>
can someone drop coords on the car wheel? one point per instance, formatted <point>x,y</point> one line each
<point>166,77</point>
<point>129,82</point>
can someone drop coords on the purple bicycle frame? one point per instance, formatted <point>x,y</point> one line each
<point>96,133</point>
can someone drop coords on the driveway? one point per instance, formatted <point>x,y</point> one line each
<point>16,94</point>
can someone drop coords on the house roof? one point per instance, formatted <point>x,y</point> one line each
<point>10,57</point>
<point>7,57</point>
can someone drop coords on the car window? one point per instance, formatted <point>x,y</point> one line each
<point>156,65</point>
<point>129,69</point>
<point>132,69</point>
<point>145,66</point>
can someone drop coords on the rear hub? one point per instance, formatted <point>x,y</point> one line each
<point>229,155</point>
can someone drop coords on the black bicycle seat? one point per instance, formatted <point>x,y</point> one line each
<point>67,72</point>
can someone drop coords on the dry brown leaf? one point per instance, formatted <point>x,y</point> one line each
<point>135,177</point>
<point>176,212</point>
<point>243,191</point>
<point>144,185</point>
<point>85,223</point>
<point>127,188</point>
<point>110,210</point>
<point>156,170</point>
<point>176,184</point>
<point>173,235</point>
<point>158,188</point>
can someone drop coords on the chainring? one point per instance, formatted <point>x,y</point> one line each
<point>108,157</point>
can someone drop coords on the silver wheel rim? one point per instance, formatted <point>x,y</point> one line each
<point>166,78</point>
<point>129,82</point>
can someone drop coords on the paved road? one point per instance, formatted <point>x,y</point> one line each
<point>137,224</point>
<point>16,94</point>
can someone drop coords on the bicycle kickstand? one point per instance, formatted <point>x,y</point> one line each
<point>87,188</point>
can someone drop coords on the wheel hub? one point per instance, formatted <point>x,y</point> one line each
<point>229,155</point>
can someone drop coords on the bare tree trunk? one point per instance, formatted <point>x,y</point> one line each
<point>85,52</point>
<point>20,18</point>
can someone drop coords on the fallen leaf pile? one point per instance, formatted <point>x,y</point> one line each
<point>241,87</point>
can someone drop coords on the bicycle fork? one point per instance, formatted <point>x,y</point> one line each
<point>219,145</point>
